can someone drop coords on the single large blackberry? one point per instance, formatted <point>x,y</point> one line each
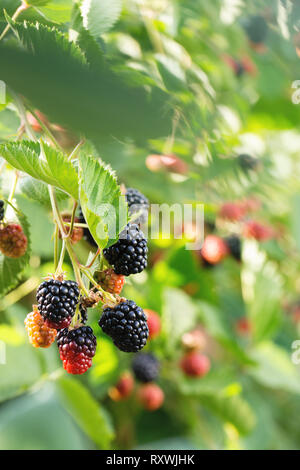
<point>126,324</point>
<point>145,367</point>
<point>57,302</point>
<point>2,210</point>
<point>77,348</point>
<point>235,247</point>
<point>137,203</point>
<point>129,254</point>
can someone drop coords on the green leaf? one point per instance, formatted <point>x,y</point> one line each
<point>43,163</point>
<point>178,314</point>
<point>275,368</point>
<point>58,11</point>
<point>111,102</point>
<point>12,269</point>
<point>103,205</point>
<point>99,16</point>
<point>232,409</point>
<point>265,308</point>
<point>86,412</point>
<point>38,191</point>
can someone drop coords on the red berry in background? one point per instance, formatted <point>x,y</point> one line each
<point>232,211</point>
<point>243,326</point>
<point>77,348</point>
<point>77,231</point>
<point>40,336</point>
<point>154,323</point>
<point>123,388</point>
<point>253,229</point>
<point>170,163</point>
<point>214,249</point>
<point>151,396</point>
<point>195,364</point>
<point>13,241</point>
<point>252,204</point>
<point>110,281</point>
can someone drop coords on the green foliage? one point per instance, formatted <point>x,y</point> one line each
<point>86,412</point>
<point>43,163</point>
<point>99,17</point>
<point>102,203</point>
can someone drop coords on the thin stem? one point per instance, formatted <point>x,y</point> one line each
<point>24,6</point>
<point>56,213</point>
<point>22,111</point>
<point>72,219</point>
<point>13,188</point>
<point>76,268</point>
<point>61,258</point>
<point>74,151</point>
<point>93,260</point>
<point>45,128</point>
<point>56,247</point>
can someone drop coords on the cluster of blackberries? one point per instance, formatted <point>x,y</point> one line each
<point>126,324</point>
<point>129,254</point>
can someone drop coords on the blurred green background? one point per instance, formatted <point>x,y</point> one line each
<point>189,78</point>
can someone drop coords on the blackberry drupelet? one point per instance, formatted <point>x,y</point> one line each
<point>137,203</point>
<point>235,246</point>
<point>129,254</point>
<point>145,367</point>
<point>2,210</point>
<point>77,348</point>
<point>57,302</point>
<point>126,324</point>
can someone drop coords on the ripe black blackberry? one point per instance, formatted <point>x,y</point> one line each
<point>126,324</point>
<point>247,162</point>
<point>57,302</point>
<point>145,367</point>
<point>2,210</point>
<point>256,29</point>
<point>129,254</point>
<point>77,348</point>
<point>235,246</point>
<point>137,203</point>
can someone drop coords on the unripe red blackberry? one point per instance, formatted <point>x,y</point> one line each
<point>13,241</point>
<point>145,367</point>
<point>123,388</point>
<point>129,254</point>
<point>57,302</point>
<point>214,249</point>
<point>232,211</point>
<point>110,281</point>
<point>77,348</point>
<point>195,364</point>
<point>126,324</point>
<point>253,229</point>
<point>137,203</point>
<point>40,335</point>
<point>154,323</point>
<point>151,396</point>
